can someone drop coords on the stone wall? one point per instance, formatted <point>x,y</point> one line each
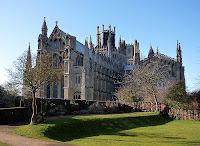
<point>181,114</point>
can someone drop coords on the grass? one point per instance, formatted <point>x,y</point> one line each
<point>4,144</point>
<point>124,129</point>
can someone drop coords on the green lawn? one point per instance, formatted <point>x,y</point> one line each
<point>124,129</point>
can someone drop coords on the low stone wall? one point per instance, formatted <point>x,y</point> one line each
<point>181,114</point>
<point>13,115</point>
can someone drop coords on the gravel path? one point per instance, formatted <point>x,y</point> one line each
<point>7,135</point>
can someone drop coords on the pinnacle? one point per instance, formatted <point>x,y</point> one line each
<point>44,26</point>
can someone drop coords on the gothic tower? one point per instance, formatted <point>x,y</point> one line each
<point>136,53</point>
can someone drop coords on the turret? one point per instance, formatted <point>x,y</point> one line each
<point>90,44</point>
<point>102,28</point>
<point>136,53</point>
<point>113,30</point>
<point>151,52</point>
<point>178,53</point>
<point>42,39</point>
<point>44,28</point>
<point>119,44</point>
<point>157,52</point>
<point>109,28</point>
<point>109,45</point>
<point>86,47</point>
<point>98,36</point>
<point>86,55</point>
<point>179,68</point>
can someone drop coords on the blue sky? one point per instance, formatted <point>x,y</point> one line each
<point>160,23</point>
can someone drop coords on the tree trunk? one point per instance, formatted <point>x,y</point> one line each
<point>34,114</point>
<point>156,101</point>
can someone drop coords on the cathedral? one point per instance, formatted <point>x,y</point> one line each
<point>89,71</point>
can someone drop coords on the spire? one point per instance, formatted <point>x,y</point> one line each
<point>177,44</point>
<point>151,52</point>
<point>90,39</point>
<point>178,52</point>
<point>90,44</point>
<point>44,27</point>
<point>157,52</point>
<point>86,47</point>
<point>28,61</point>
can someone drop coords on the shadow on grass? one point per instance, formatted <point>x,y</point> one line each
<point>71,128</point>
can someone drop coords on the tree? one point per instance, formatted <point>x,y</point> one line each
<point>125,95</point>
<point>177,95</point>
<point>144,80</point>
<point>32,73</point>
<point>11,89</point>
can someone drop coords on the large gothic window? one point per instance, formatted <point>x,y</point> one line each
<point>55,93</point>
<point>56,44</point>
<point>60,41</point>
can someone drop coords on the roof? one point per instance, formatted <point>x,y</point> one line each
<point>129,67</point>
<point>63,33</point>
<point>79,46</point>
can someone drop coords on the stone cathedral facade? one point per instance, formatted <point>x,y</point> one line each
<point>89,71</point>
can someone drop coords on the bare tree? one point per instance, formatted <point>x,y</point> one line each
<point>11,89</point>
<point>32,73</point>
<point>144,80</point>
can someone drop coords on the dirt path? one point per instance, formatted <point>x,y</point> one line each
<point>7,135</point>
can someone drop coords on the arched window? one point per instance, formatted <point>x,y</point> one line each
<point>51,44</point>
<point>60,43</point>
<point>38,44</point>
<point>56,44</point>
<point>79,79</point>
